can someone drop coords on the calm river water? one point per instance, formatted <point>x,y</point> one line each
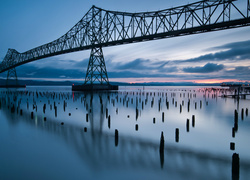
<point>54,133</point>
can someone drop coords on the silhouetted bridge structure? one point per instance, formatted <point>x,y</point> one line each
<point>101,28</point>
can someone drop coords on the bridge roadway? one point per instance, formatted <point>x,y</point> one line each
<point>100,28</point>
<point>97,147</point>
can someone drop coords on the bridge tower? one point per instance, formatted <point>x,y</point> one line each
<point>96,71</point>
<point>10,58</point>
<point>96,75</point>
<point>11,75</point>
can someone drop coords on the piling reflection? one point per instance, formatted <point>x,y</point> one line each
<point>88,122</point>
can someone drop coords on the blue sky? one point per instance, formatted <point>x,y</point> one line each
<point>209,57</point>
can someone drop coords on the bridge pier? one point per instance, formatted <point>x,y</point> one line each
<point>96,76</point>
<point>12,80</point>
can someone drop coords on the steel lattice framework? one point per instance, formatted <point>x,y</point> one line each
<point>101,28</point>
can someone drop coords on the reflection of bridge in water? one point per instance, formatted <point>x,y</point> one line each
<point>97,147</point>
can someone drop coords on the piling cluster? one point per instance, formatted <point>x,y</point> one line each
<point>160,103</point>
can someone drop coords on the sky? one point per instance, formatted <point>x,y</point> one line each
<point>214,57</point>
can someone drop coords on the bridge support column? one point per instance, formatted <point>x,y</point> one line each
<point>96,76</point>
<point>96,71</point>
<point>11,75</point>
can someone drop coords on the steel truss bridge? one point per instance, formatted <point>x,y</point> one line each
<point>101,28</point>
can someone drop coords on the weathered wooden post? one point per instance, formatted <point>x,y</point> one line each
<point>109,122</point>
<point>193,120</point>
<point>233,132</point>
<point>161,150</point>
<point>232,146</point>
<point>187,125</point>
<point>177,135</point>
<point>136,127</point>
<point>55,111</point>
<point>116,137</point>
<point>106,112</point>
<point>242,114</point>
<point>235,166</point>
<point>32,115</point>
<point>235,120</point>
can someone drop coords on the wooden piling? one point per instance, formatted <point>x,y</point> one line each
<point>161,149</point>
<point>136,127</point>
<point>64,105</point>
<point>44,108</point>
<point>233,132</point>
<point>106,112</point>
<point>193,120</point>
<point>235,166</point>
<point>187,125</point>
<point>109,122</point>
<point>235,120</point>
<point>242,114</point>
<point>137,114</point>
<point>232,146</point>
<point>116,137</point>
<point>177,135</point>
<point>55,111</point>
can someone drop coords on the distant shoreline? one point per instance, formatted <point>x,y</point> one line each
<point>69,83</point>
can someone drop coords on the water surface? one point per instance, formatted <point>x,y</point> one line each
<point>54,133</point>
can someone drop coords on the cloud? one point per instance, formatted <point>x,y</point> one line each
<point>29,71</point>
<point>208,68</point>
<point>241,69</point>
<point>144,66</point>
<point>238,51</point>
<point>131,74</point>
<point>137,64</point>
<point>239,72</point>
<point>149,68</point>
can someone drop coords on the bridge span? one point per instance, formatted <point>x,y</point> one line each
<point>101,28</point>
